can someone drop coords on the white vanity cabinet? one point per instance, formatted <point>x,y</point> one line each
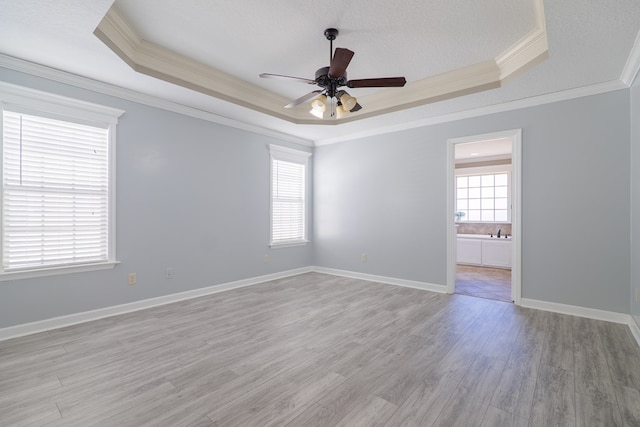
<point>470,251</point>
<point>496,253</point>
<point>484,250</point>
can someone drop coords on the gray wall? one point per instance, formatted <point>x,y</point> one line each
<point>194,196</point>
<point>635,198</point>
<point>383,196</point>
<point>191,195</point>
<point>386,196</point>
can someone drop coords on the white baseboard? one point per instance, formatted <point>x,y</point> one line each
<point>382,279</point>
<point>635,329</point>
<point>574,310</point>
<point>87,316</point>
<point>590,313</point>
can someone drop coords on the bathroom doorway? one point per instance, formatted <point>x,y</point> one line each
<point>483,236</point>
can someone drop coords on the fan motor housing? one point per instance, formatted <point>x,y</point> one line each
<point>322,73</point>
<point>323,79</point>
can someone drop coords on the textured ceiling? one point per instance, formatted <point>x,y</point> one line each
<point>416,40</point>
<point>481,150</point>
<point>589,43</point>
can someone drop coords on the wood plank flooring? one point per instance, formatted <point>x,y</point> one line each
<point>320,350</point>
<point>483,282</point>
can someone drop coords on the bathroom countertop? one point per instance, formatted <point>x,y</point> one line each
<point>482,236</point>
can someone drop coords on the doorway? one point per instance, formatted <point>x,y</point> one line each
<point>483,215</point>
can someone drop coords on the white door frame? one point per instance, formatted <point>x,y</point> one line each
<point>516,205</point>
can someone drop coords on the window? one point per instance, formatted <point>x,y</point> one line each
<point>57,184</point>
<point>288,196</point>
<point>483,198</point>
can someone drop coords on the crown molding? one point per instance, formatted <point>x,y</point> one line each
<point>153,60</point>
<point>42,71</point>
<point>463,81</point>
<point>64,77</point>
<point>483,111</point>
<point>632,66</point>
<point>528,51</point>
<point>156,61</point>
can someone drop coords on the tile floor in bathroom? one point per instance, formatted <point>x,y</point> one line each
<point>483,282</point>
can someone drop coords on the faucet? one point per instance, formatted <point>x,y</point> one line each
<point>499,230</point>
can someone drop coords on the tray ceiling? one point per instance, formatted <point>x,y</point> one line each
<point>181,46</point>
<point>203,57</point>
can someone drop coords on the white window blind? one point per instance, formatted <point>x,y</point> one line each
<point>55,194</point>
<point>288,196</point>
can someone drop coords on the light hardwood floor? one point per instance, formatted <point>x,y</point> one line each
<point>320,350</point>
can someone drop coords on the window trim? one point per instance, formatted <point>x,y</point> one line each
<point>277,152</point>
<point>14,97</point>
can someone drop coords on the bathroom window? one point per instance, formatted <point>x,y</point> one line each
<point>483,198</point>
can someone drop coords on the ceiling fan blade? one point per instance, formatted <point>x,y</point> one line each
<point>304,98</point>
<point>358,107</point>
<point>340,62</point>
<point>280,76</point>
<point>380,82</point>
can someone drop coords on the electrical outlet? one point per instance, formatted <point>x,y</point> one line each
<point>168,273</point>
<point>363,257</point>
<point>133,278</point>
<point>266,258</point>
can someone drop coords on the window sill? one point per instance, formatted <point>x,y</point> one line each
<point>54,271</point>
<point>288,244</point>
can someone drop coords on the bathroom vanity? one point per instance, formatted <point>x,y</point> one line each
<point>484,250</point>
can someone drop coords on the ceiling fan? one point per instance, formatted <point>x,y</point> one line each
<point>331,79</point>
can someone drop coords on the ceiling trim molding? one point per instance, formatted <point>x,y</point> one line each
<point>632,66</point>
<point>549,98</point>
<point>156,61</point>
<point>64,77</point>
<point>528,51</point>
<point>463,81</point>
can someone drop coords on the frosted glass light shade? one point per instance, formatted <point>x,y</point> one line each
<point>319,104</point>
<point>348,102</point>
<point>317,113</point>
<point>341,112</point>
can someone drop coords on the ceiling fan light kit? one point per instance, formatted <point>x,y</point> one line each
<point>317,113</point>
<point>331,79</point>
<point>348,101</point>
<point>341,112</point>
<point>319,104</point>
